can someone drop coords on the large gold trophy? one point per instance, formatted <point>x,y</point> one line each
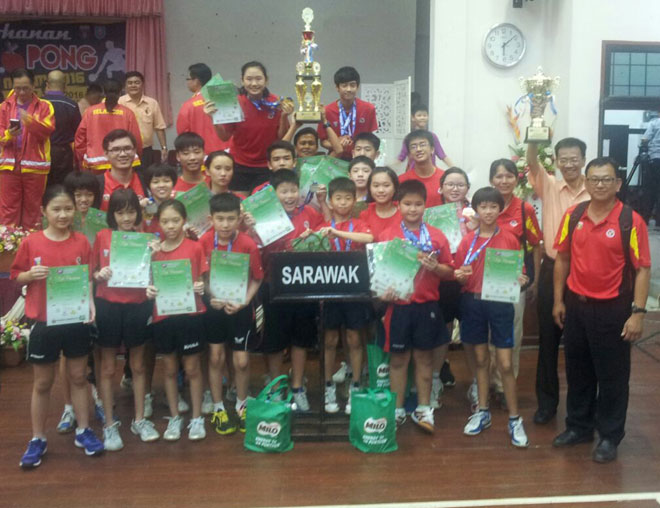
<point>538,88</point>
<point>308,77</point>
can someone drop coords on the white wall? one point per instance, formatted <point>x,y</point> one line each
<point>375,36</point>
<point>469,96</point>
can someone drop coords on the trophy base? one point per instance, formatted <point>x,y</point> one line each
<point>308,116</point>
<point>537,134</point>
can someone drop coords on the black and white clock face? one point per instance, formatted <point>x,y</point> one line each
<point>504,45</point>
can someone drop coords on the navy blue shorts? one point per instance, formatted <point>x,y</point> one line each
<point>478,317</point>
<point>350,315</point>
<point>414,326</point>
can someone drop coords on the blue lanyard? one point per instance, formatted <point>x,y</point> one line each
<point>348,242</point>
<point>347,122</point>
<point>272,105</point>
<point>215,242</point>
<point>423,242</point>
<point>470,257</point>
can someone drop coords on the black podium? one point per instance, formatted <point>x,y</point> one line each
<point>319,277</point>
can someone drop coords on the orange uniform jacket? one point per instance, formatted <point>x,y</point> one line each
<point>96,123</point>
<point>34,153</point>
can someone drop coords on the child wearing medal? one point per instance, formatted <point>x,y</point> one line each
<point>414,328</point>
<point>481,319</point>
<point>345,234</point>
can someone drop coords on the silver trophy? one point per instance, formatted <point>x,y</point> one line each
<point>538,92</point>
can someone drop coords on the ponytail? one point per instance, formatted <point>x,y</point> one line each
<point>112,89</point>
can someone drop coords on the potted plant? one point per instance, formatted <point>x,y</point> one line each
<point>13,339</point>
<point>10,238</point>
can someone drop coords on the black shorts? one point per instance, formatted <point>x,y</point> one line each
<point>119,323</point>
<point>235,330</point>
<point>414,326</point>
<point>46,342</point>
<point>450,300</point>
<point>179,334</point>
<point>478,317</point>
<point>350,315</point>
<point>287,324</point>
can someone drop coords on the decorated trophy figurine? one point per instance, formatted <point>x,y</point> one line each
<point>308,77</point>
<point>538,92</point>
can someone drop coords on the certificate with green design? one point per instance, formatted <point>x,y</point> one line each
<point>395,267</point>
<point>319,170</point>
<point>223,94</point>
<point>174,282</point>
<point>445,218</point>
<point>502,267</point>
<point>196,201</point>
<point>67,295</point>
<point>130,259</point>
<point>230,272</point>
<point>94,221</point>
<point>272,222</point>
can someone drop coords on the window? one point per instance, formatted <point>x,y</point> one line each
<point>632,71</point>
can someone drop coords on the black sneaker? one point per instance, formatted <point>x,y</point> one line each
<point>446,376</point>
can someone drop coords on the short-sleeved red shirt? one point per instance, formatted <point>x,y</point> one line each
<point>192,250</point>
<point>427,283</point>
<point>359,226</point>
<point>596,250</point>
<point>101,259</point>
<point>259,187</point>
<point>511,219</point>
<point>502,240</point>
<point>365,122</point>
<point>192,118</point>
<point>432,184</point>
<point>112,185</point>
<point>183,186</point>
<point>376,223</point>
<point>37,249</point>
<point>242,244</point>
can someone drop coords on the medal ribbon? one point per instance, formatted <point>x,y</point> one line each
<point>470,257</point>
<point>347,122</point>
<point>215,242</point>
<point>423,242</point>
<point>348,242</point>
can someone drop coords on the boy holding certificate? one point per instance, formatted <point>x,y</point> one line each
<point>479,317</point>
<point>190,155</point>
<point>414,328</point>
<point>236,274</point>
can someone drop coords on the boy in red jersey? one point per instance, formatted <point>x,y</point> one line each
<point>420,146</point>
<point>190,154</point>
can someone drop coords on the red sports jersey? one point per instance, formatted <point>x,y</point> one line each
<point>189,249</point>
<point>112,185</point>
<point>251,137</point>
<point>151,225</point>
<point>597,258</point>
<point>511,219</point>
<point>502,240</point>
<point>376,223</point>
<point>101,259</point>
<point>359,226</point>
<point>432,184</point>
<point>243,244</point>
<point>427,283</point>
<point>365,122</point>
<point>259,187</point>
<point>37,249</point>
<point>183,186</point>
<point>192,118</point>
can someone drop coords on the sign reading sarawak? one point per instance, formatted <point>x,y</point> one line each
<point>86,53</point>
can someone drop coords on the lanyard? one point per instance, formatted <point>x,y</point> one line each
<point>347,122</point>
<point>272,105</point>
<point>215,242</point>
<point>423,242</point>
<point>348,242</point>
<point>470,257</point>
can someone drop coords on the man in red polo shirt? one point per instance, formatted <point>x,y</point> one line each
<point>119,147</point>
<point>349,116</point>
<point>420,147</point>
<point>602,311</point>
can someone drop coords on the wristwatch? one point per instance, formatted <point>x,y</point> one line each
<point>638,310</point>
<point>326,125</point>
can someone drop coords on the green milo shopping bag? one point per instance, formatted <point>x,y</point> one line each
<point>268,421</point>
<point>379,367</point>
<point>372,427</point>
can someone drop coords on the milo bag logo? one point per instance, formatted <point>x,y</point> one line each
<point>383,370</point>
<point>372,425</point>
<point>269,429</point>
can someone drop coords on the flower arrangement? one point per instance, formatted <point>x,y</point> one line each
<point>11,237</point>
<point>524,189</point>
<point>13,334</point>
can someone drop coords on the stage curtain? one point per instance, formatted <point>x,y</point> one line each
<point>103,8</point>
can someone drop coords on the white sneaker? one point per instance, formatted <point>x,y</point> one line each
<point>436,391</point>
<point>424,418</point>
<point>473,396</point>
<point>400,416</point>
<point>182,406</point>
<point>331,405</point>
<point>347,409</point>
<point>477,422</point>
<point>67,421</point>
<point>148,405</point>
<point>196,430</point>
<point>341,374</point>
<point>145,429</point>
<point>207,403</point>
<point>111,438</point>
<point>517,433</point>
<point>300,401</point>
<point>174,426</point>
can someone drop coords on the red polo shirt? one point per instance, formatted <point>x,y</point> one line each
<point>242,244</point>
<point>111,185</point>
<point>511,219</point>
<point>432,184</point>
<point>365,122</point>
<point>183,186</point>
<point>358,227</point>
<point>597,258</point>
<point>191,118</point>
<point>376,223</point>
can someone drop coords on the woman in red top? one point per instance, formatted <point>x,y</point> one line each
<point>55,246</point>
<point>266,120</point>
<point>382,212</point>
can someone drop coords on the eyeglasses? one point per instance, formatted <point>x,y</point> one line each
<point>455,185</point>
<point>22,88</point>
<point>116,150</point>
<point>573,161</point>
<point>420,146</point>
<point>605,180</point>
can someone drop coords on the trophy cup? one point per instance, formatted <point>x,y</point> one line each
<point>538,89</point>
<point>308,77</point>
